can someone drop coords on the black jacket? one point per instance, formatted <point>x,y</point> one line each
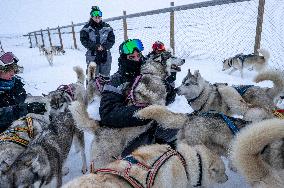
<point>12,104</point>
<point>94,34</point>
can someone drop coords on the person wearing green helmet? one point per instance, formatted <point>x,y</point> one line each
<point>114,110</point>
<point>98,37</point>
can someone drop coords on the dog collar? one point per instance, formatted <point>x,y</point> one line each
<point>199,182</point>
<point>192,100</point>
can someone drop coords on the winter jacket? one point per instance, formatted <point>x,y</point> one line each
<point>94,34</point>
<point>11,103</point>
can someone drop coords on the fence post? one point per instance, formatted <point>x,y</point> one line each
<point>74,36</point>
<point>36,39</point>
<point>172,29</point>
<point>60,38</point>
<point>124,26</point>
<point>42,40</point>
<point>259,25</point>
<point>49,37</point>
<point>31,45</point>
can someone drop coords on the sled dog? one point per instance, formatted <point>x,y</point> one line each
<point>241,61</point>
<point>182,169</point>
<point>246,153</point>
<point>203,96</point>
<point>57,50</point>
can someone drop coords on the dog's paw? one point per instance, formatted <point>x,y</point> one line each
<point>84,170</point>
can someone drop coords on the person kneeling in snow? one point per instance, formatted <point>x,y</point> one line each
<point>13,94</point>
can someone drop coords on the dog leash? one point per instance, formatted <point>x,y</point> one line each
<point>279,113</point>
<point>68,89</point>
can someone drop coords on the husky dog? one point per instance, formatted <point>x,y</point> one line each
<point>149,87</point>
<point>22,131</point>
<point>182,169</point>
<point>65,94</point>
<point>203,96</point>
<point>57,50</point>
<point>209,129</point>
<point>104,146</point>
<point>41,49</point>
<point>48,53</point>
<point>44,158</point>
<point>240,61</point>
<point>246,153</point>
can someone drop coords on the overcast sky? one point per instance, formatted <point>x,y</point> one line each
<point>23,16</point>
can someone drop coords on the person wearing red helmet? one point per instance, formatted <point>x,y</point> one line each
<point>158,47</point>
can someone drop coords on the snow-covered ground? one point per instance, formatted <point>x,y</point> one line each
<point>40,78</point>
<point>22,16</point>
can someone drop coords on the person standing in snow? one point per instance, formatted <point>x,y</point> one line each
<point>98,37</point>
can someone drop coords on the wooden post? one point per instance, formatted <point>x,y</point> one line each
<point>259,25</point>
<point>124,26</point>
<point>74,36</point>
<point>49,37</point>
<point>31,44</point>
<point>60,38</point>
<point>42,40</point>
<point>172,29</point>
<point>36,39</point>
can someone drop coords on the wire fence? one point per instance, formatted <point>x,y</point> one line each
<point>213,30</point>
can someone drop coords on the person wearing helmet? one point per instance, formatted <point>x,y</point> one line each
<point>98,37</point>
<point>115,112</point>
<point>12,93</point>
<point>157,48</point>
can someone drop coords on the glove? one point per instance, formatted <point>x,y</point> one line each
<point>36,107</point>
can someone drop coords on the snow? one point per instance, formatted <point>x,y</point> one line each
<point>22,16</point>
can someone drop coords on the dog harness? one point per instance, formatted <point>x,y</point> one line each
<point>11,135</point>
<point>152,170</point>
<point>241,89</point>
<point>131,96</point>
<point>279,113</point>
<point>68,89</point>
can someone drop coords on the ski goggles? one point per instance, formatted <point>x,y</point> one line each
<point>130,45</point>
<point>96,13</point>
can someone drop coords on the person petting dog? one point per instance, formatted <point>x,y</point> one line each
<point>98,37</point>
<point>157,48</point>
<point>114,110</point>
<point>13,94</point>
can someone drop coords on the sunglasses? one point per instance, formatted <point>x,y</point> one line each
<point>9,68</point>
<point>130,45</point>
<point>96,13</point>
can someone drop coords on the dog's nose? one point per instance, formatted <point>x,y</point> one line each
<point>176,90</point>
<point>183,60</point>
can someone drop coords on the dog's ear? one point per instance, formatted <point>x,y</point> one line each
<point>188,73</point>
<point>196,73</point>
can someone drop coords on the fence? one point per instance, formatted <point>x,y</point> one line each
<point>210,30</point>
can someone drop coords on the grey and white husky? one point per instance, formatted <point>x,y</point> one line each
<point>17,137</point>
<point>256,103</point>
<point>212,130</point>
<point>241,61</point>
<point>57,50</point>
<point>150,89</point>
<point>43,160</point>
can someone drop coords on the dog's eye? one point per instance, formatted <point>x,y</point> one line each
<point>186,84</point>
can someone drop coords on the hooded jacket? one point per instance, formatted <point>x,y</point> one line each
<point>11,107</point>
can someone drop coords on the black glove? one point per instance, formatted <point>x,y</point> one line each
<point>36,107</point>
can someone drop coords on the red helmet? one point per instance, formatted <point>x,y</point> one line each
<point>158,46</point>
